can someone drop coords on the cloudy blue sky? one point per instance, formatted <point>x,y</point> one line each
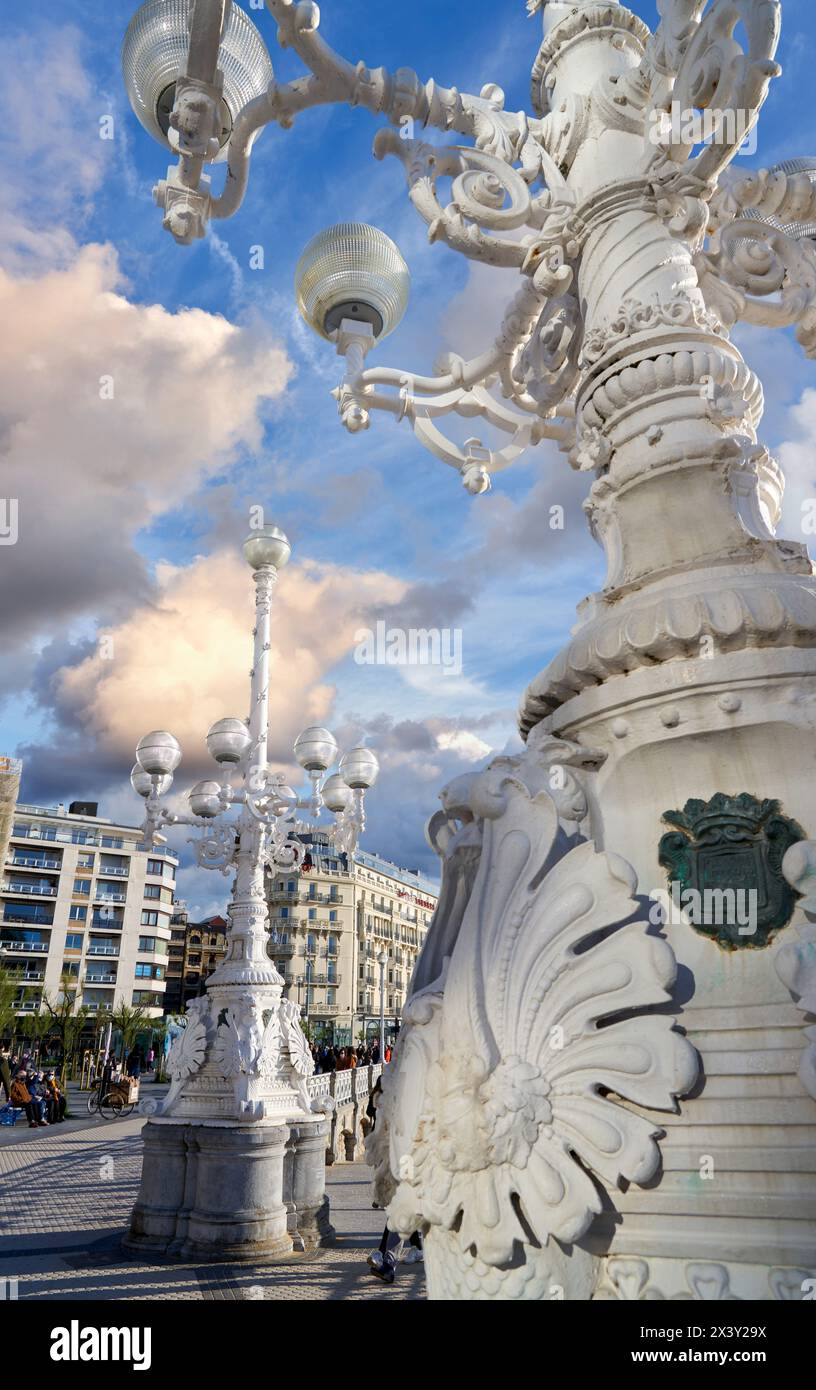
<point>124,604</point>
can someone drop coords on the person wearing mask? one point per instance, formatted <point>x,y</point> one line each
<point>343,1062</point>
<point>22,1097</point>
<point>36,1086</point>
<point>56,1099</point>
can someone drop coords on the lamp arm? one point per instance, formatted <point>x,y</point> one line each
<point>401,97</point>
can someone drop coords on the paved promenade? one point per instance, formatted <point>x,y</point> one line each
<point>65,1196</point>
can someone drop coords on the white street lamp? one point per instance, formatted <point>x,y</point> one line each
<point>634,245</point>
<point>243,1059</point>
<point>382,961</point>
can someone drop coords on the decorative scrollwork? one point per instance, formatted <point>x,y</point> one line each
<point>697,64</point>
<point>759,274</point>
<point>486,192</point>
<point>216,848</point>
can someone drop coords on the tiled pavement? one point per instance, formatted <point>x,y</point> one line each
<point>65,1199</point>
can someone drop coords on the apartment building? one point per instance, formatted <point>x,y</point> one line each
<point>10,769</point>
<point>79,896</point>
<point>195,950</point>
<point>329,923</point>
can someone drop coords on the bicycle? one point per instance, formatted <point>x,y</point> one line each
<point>111,1106</point>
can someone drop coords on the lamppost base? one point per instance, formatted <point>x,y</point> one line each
<point>231,1193</point>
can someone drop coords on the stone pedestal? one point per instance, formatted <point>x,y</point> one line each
<point>244,1193</point>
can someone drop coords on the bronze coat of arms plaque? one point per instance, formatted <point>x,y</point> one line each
<point>724,861</point>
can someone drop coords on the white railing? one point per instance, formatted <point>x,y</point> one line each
<point>43,890</point>
<point>41,863</point>
<point>103,951</point>
<point>343,1087</point>
<point>100,897</point>
<point>122,871</point>
<point>24,946</point>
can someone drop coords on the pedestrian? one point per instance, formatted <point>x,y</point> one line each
<point>22,1097</point>
<point>36,1086</point>
<point>151,1057</point>
<point>383,1262</point>
<point>56,1099</point>
<point>375,1051</point>
<point>134,1064</point>
<point>5,1073</point>
<point>343,1062</point>
<point>106,1076</point>
<point>388,1052</point>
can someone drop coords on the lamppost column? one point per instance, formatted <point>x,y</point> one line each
<point>382,961</point>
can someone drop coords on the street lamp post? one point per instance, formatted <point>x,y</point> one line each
<point>239,1069</point>
<point>634,246</point>
<point>382,961</point>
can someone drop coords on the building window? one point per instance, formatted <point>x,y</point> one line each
<point>284,912</point>
<point>77,913</point>
<point>152,890</point>
<point>332,916</point>
<point>82,885</point>
<point>312,914</point>
<point>150,919</point>
<point>311,944</point>
<point>155,866</point>
<point>290,887</point>
<point>153,944</point>
<point>85,861</point>
<point>332,945</point>
<point>73,941</point>
<point>71,967</point>
<point>331,996</point>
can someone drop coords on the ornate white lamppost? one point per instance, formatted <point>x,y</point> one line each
<point>382,961</point>
<point>234,1157</point>
<point>672,741</point>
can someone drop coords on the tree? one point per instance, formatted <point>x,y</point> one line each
<point>129,1022</point>
<point>65,1020</point>
<point>33,1028</point>
<point>8,1008</point>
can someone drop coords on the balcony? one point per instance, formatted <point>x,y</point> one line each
<point>120,872</point>
<point>325,1010</point>
<point>103,950</point>
<point>282,948</point>
<point>41,862</point>
<point>106,923</point>
<point>28,1006</point>
<point>24,887</point>
<point>31,977</point>
<point>97,1008</point>
<point>23,947</point>
<point>93,980</point>
<point>103,896</point>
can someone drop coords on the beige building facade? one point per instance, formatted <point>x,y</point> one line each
<point>10,770</point>
<point>330,922</point>
<point>79,896</point>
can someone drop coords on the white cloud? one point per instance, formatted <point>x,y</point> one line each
<point>182,661</point>
<point>89,471</point>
